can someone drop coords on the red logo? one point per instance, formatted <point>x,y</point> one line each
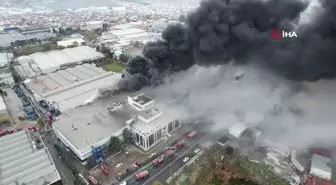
<point>276,34</point>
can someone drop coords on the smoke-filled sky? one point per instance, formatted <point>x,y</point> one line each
<point>307,114</point>
<point>194,57</point>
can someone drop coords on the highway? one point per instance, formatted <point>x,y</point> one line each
<point>163,171</point>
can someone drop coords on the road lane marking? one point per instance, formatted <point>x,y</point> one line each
<point>66,181</point>
<point>170,164</point>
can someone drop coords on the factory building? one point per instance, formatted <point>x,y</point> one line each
<point>95,123</point>
<point>24,162</point>
<point>158,26</point>
<point>71,42</point>
<point>16,38</point>
<point>124,34</point>
<point>237,130</point>
<point>46,62</point>
<point>320,167</point>
<point>92,25</point>
<point>5,59</point>
<point>71,87</point>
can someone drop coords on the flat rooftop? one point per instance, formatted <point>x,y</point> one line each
<point>141,99</point>
<point>168,116</point>
<point>21,164</point>
<point>94,122</point>
<point>147,114</point>
<point>72,87</point>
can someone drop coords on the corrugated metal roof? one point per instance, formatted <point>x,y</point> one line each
<point>21,164</point>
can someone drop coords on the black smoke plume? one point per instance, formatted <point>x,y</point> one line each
<point>221,31</point>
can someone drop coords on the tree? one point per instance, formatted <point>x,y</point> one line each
<point>229,150</point>
<point>123,58</point>
<point>127,135</point>
<point>46,47</point>
<point>114,145</point>
<point>157,183</point>
<point>97,48</point>
<point>40,122</point>
<point>75,43</point>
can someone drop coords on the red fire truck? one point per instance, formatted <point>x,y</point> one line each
<point>158,160</point>
<point>94,181</point>
<point>104,168</point>
<point>3,132</point>
<point>170,152</point>
<point>142,175</point>
<point>181,144</point>
<point>191,134</point>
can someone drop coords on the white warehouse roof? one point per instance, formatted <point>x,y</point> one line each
<point>128,31</point>
<point>237,130</point>
<point>320,168</point>
<point>21,164</point>
<point>50,61</point>
<point>69,42</point>
<point>71,87</point>
<point>5,58</point>
<point>2,104</point>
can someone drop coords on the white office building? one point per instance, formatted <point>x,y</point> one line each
<point>151,123</point>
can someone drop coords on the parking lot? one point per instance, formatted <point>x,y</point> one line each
<point>15,110</point>
<point>134,155</point>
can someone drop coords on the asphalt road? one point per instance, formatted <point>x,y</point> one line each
<point>163,171</point>
<point>61,167</point>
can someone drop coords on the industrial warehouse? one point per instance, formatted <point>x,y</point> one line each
<point>71,87</point>
<point>24,162</point>
<point>95,123</point>
<point>46,62</point>
<point>61,77</point>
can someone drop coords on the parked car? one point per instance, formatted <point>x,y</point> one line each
<point>186,159</point>
<point>197,150</point>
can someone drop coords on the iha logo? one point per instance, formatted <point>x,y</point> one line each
<point>277,34</point>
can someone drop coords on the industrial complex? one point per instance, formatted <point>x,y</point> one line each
<point>23,161</point>
<point>71,87</point>
<point>94,124</point>
<point>35,64</point>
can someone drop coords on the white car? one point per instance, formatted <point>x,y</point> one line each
<point>186,159</point>
<point>197,150</point>
<point>152,155</point>
<point>124,183</point>
<point>118,165</point>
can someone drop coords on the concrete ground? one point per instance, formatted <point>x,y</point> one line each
<point>65,173</point>
<point>15,109</point>
<point>128,160</point>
